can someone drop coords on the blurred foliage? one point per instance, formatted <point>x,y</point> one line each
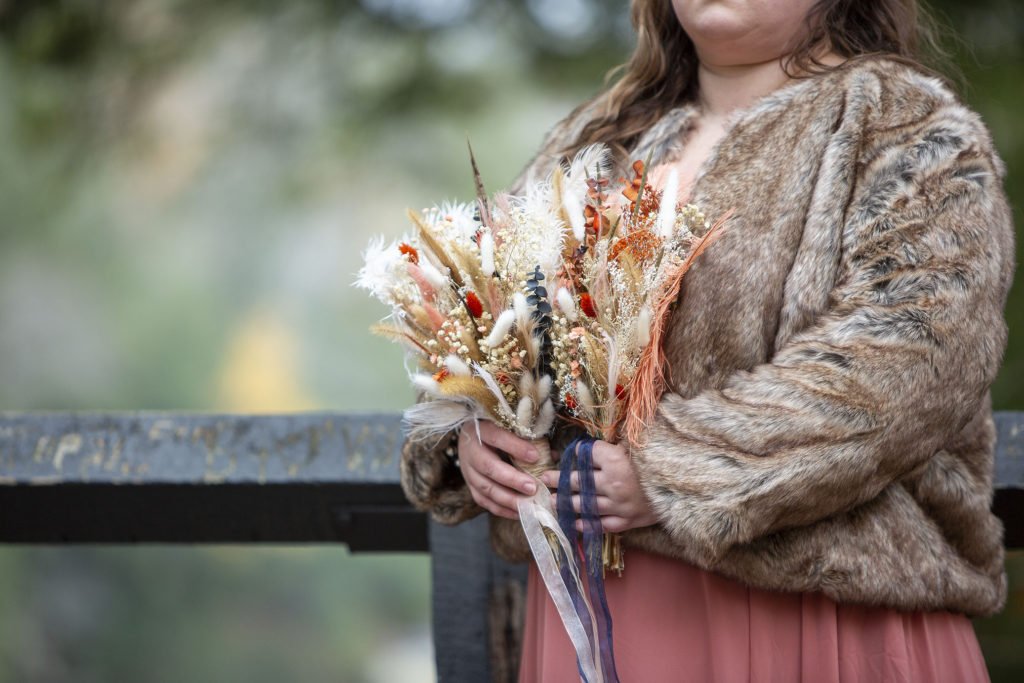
<point>156,615</point>
<point>185,187</point>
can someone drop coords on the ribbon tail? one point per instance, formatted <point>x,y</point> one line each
<point>593,552</point>
<point>564,585</point>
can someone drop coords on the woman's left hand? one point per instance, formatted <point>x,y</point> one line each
<point>621,502</point>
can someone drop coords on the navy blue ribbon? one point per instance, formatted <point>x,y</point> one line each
<point>581,454</point>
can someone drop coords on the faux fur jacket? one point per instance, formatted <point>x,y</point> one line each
<point>829,424</point>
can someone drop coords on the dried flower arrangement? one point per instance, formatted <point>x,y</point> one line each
<point>521,309</point>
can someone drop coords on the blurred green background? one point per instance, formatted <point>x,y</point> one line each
<point>185,188</point>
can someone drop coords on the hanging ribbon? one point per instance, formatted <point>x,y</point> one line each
<point>580,453</point>
<point>559,561</point>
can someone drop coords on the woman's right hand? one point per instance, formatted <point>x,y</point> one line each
<point>495,484</point>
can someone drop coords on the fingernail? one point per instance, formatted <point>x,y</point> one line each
<point>530,488</point>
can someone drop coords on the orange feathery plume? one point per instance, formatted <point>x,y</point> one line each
<point>649,381</point>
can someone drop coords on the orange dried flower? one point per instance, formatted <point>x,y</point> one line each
<point>441,374</point>
<point>411,252</point>
<point>474,305</point>
<point>620,392</point>
<point>587,305</point>
<point>570,402</point>
<point>643,245</point>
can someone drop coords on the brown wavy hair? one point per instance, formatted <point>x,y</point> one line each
<point>662,72</point>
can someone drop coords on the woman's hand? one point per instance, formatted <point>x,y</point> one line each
<point>494,483</point>
<point>621,502</point>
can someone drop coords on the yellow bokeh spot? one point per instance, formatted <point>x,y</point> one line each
<point>260,372</point>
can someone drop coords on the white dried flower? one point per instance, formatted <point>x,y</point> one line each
<point>501,327</point>
<point>457,367</point>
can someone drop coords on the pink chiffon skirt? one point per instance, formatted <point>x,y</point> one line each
<point>674,622</point>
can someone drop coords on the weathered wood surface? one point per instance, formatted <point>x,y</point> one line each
<point>179,477</point>
<point>205,478</point>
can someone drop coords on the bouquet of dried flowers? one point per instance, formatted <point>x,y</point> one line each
<point>522,309</point>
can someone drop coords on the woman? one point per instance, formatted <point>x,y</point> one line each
<point>812,498</point>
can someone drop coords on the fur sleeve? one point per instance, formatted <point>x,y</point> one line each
<point>893,370</point>
<point>433,483</point>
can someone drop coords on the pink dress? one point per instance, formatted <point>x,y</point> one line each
<point>674,622</point>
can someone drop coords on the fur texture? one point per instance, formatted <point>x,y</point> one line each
<point>829,427</point>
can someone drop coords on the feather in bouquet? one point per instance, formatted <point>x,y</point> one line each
<point>517,307</point>
<point>620,275</point>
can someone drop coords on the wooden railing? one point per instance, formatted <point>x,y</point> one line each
<point>311,477</point>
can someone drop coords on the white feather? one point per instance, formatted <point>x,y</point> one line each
<point>487,252</point>
<point>379,261</point>
<point>428,419</point>
<point>667,212</point>
<point>494,387</point>
<point>586,161</point>
<point>565,303</point>
<point>461,218</point>
<point>457,367</point>
<point>501,327</point>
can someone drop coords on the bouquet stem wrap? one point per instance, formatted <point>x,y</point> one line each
<point>589,629</point>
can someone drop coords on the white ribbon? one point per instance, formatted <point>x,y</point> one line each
<point>536,514</point>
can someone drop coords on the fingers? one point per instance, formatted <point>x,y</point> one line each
<point>550,479</point>
<point>611,524</point>
<point>494,484</point>
<point>481,460</point>
<point>605,505</point>
<point>504,440</point>
<point>605,454</point>
<point>493,497</point>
